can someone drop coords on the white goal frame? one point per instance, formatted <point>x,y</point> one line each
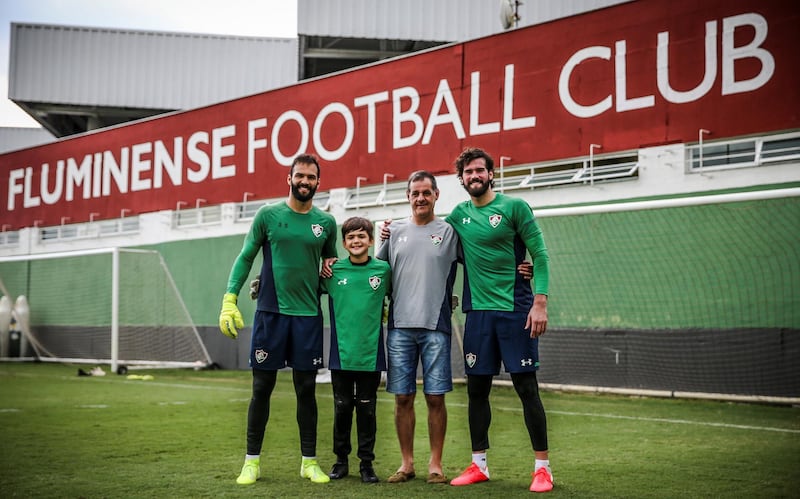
<point>114,360</point>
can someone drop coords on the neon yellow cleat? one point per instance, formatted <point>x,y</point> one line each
<point>251,471</point>
<point>310,469</point>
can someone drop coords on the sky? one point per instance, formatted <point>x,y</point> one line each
<point>265,18</point>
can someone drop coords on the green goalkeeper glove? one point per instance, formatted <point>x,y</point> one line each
<point>230,318</point>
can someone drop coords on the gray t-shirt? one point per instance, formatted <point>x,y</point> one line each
<point>423,261</point>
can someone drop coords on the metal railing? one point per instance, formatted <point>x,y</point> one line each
<point>741,153</point>
<point>572,172</point>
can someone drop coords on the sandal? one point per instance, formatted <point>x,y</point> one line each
<point>401,476</point>
<point>437,478</point>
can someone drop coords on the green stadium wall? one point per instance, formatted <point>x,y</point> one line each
<point>715,288</point>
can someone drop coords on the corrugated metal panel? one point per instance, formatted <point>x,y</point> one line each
<point>435,20</point>
<point>534,12</point>
<point>143,69</point>
<point>14,138</point>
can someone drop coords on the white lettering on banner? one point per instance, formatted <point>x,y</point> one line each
<point>139,166</point>
<point>159,163</point>
<point>753,49</point>
<point>29,201</point>
<point>324,153</point>
<point>52,197</point>
<point>370,101</point>
<point>13,187</point>
<point>410,115</point>
<point>79,175</point>
<point>729,53</point>
<point>111,168</point>
<point>443,96</point>
<point>276,130</point>
<point>199,157</point>
<point>509,122</point>
<point>475,126</point>
<point>620,69</point>
<point>662,64</point>
<point>253,143</point>
<point>563,83</point>
<point>97,164</point>
<point>163,161</point>
<point>219,151</point>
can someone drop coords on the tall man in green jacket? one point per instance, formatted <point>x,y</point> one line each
<point>287,330</point>
<point>504,317</point>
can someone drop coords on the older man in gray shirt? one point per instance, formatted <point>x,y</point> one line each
<point>422,253</point>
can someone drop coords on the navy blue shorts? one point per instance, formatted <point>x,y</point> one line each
<point>286,340</point>
<point>491,337</point>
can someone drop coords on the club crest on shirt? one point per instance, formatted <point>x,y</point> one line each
<point>436,240</point>
<point>375,282</point>
<point>494,220</point>
<point>471,358</point>
<point>317,229</point>
<point>261,356</point>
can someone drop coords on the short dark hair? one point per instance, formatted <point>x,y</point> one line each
<point>307,159</point>
<point>421,175</point>
<point>470,154</point>
<point>353,224</point>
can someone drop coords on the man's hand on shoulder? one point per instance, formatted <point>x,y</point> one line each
<point>326,272</point>
<point>385,232</point>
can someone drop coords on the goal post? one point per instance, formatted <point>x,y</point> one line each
<point>116,306</point>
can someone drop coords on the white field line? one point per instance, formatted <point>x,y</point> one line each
<point>388,399</point>
<point>649,420</point>
<point>519,409</point>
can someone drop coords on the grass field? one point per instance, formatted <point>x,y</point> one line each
<point>182,435</point>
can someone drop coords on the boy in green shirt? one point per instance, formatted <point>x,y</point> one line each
<point>356,294</point>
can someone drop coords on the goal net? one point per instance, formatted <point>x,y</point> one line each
<point>699,295</point>
<point>107,306</point>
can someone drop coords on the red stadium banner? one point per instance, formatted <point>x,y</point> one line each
<point>634,75</point>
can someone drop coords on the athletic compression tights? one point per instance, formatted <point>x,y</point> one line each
<point>480,411</point>
<point>258,412</point>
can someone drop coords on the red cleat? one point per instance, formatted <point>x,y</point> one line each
<point>471,475</point>
<point>542,481</point>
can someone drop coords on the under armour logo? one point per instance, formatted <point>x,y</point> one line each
<point>402,239</point>
<point>526,362</point>
<point>342,282</point>
<point>466,220</point>
<point>317,361</point>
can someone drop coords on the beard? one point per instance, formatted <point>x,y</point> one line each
<point>303,197</point>
<point>477,189</point>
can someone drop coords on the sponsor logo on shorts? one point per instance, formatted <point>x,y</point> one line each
<point>526,362</point>
<point>317,229</point>
<point>471,358</point>
<point>494,220</point>
<point>317,361</point>
<point>436,239</point>
<point>342,282</point>
<point>375,282</point>
<point>261,356</point>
